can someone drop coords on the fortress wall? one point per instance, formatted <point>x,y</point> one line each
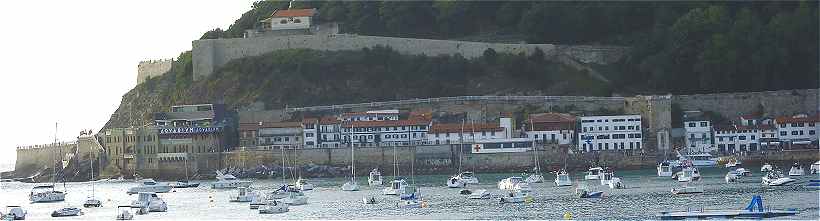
<point>154,68</point>
<point>732,105</point>
<point>210,54</point>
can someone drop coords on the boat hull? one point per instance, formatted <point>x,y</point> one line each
<point>230,185</point>
<point>727,214</point>
<point>155,189</point>
<point>45,197</point>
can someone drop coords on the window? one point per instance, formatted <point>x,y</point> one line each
<point>638,145</point>
<point>308,134</point>
<point>811,124</point>
<point>585,129</point>
<point>794,124</point>
<point>794,132</point>
<point>782,133</point>
<point>703,124</point>
<point>692,124</point>
<point>753,137</point>
<point>741,138</point>
<point>811,132</point>
<point>283,21</point>
<point>720,138</point>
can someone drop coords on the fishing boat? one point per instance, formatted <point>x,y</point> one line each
<point>228,181</point>
<point>815,168</point>
<point>594,173</point>
<point>766,168</point>
<point>303,184</point>
<point>664,169</point>
<point>124,213</point>
<point>796,170</point>
<point>14,213</point>
<point>295,198</point>
<point>776,178</point>
<point>754,210</point>
<point>396,187</point>
<point>149,185</point>
<point>687,174</point>
<point>375,177</point>
<point>513,183</point>
<point>274,207</point>
<point>92,201</point>
<point>583,192</point>
<point>243,195</point>
<point>351,185</point>
<point>68,211</point>
<point>479,194</point>
<point>150,202</point>
<point>608,178</point>
<point>562,178</point>
<point>516,196</point>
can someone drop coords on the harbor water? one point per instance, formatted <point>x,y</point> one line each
<point>644,197</point>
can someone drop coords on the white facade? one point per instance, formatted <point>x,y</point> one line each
<point>385,133</point>
<point>454,137</point>
<point>698,136</point>
<point>741,139</point>
<point>375,115</point>
<point>621,132</point>
<point>551,136</point>
<point>799,129</point>
<point>330,134</point>
<point>310,133</point>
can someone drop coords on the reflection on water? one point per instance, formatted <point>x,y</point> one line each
<point>644,197</point>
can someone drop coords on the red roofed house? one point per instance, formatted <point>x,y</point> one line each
<point>330,132</point>
<point>290,19</point>
<point>455,133</point>
<point>310,132</point>
<point>551,128</point>
<point>799,129</point>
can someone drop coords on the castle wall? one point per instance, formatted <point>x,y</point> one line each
<point>210,54</point>
<point>732,105</point>
<point>154,68</point>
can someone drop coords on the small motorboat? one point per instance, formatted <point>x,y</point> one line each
<point>149,202</point>
<point>46,193</point>
<point>273,207</point>
<point>766,168</point>
<point>775,178</point>
<point>369,200</point>
<point>594,173</point>
<point>303,184</point>
<point>514,183</point>
<point>467,177</point>
<point>149,185</point>
<point>295,198</point>
<point>740,171</point>
<point>410,192</point>
<point>732,163</point>
<point>583,192</point>
<point>91,202</point>
<point>280,193</point>
<point>687,174</point>
<point>516,196</point>
<point>258,201</point>
<point>608,178</point>
<point>228,181</point>
<point>687,190</point>
<point>562,178</point>
<point>479,194</point>
<point>455,182</point>
<point>796,170</point>
<point>350,186</point>
<point>14,213</point>
<point>664,169</point>
<point>124,213</point>
<point>374,178</point>
<point>184,184</point>
<point>815,168</point>
<point>68,211</point>
<point>244,195</point>
<point>731,177</point>
<point>396,187</point>
<point>748,213</point>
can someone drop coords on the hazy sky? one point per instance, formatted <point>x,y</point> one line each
<point>71,61</point>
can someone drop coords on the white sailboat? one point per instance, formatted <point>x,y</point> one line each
<point>295,195</point>
<point>351,185</point>
<point>46,193</point>
<point>398,184</point>
<point>455,181</point>
<point>536,177</point>
<point>91,201</point>
<point>187,182</point>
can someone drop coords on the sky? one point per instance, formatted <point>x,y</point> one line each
<point>70,62</point>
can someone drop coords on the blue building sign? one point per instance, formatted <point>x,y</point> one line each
<point>189,130</point>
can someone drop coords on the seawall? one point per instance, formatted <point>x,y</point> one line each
<point>210,54</point>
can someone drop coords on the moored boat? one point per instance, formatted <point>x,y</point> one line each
<point>513,183</point>
<point>796,170</point>
<point>766,168</point>
<point>664,169</point>
<point>14,213</point>
<point>562,178</point>
<point>479,194</point>
<point>594,173</point>
<point>274,207</point>
<point>775,178</point>
<point>124,213</point>
<point>375,177</point>
<point>149,202</point>
<point>815,168</point>
<point>303,184</point>
<point>243,195</point>
<point>228,181</point>
<point>516,196</point>
<point>68,211</point>
<point>149,185</point>
<point>45,193</point>
<point>396,187</point>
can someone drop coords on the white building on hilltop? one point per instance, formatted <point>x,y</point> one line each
<point>620,132</point>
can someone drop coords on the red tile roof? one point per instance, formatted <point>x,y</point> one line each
<point>793,119</point>
<point>456,128</point>
<point>310,120</point>
<point>750,116</point>
<point>385,123</point>
<point>293,13</point>
<point>329,120</point>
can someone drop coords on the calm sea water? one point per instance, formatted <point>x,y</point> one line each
<point>645,196</point>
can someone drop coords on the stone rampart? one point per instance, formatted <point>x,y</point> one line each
<point>153,68</point>
<point>210,54</point>
<point>732,105</point>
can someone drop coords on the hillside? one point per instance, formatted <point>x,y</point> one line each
<point>677,47</point>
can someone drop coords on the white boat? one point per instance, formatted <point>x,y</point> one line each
<point>480,194</point>
<point>228,181</point>
<point>14,213</point>
<point>124,213</point>
<point>775,178</point>
<point>562,178</point>
<point>514,183</point>
<point>150,202</point>
<point>454,182</point>
<point>609,179</point>
<point>594,173</point>
<point>815,167</point>
<point>731,177</point>
<point>766,168</point>
<point>516,196</point>
<point>258,201</point>
<point>350,186</point>
<point>686,189</point>
<point>149,185</point>
<point>244,195</point>
<point>687,174</point>
<point>295,198</point>
<point>92,201</point>
<point>740,171</point>
<point>68,211</point>
<point>534,178</point>
<point>280,193</point>
<point>183,184</point>
<point>303,185</point>
<point>796,170</point>
<point>732,163</point>
<point>410,192</point>
<point>273,207</point>
<point>698,159</point>
<point>664,169</point>
<point>467,177</point>
<point>45,193</point>
<point>375,178</point>
<point>369,200</point>
<point>410,198</point>
<point>396,187</point>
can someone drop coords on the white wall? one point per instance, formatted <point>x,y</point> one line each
<point>598,133</point>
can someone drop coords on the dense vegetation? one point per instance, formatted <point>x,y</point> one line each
<point>678,47</point>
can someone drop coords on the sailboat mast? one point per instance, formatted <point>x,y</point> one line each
<point>283,164</point>
<point>91,155</point>
<point>461,146</point>
<point>352,155</point>
<point>535,149</point>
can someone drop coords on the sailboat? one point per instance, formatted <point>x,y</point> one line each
<point>91,201</point>
<point>351,185</point>
<point>398,184</point>
<point>46,193</point>
<point>411,196</point>
<point>284,189</point>
<point>301,183</point>
<point>455,181</point>
<point>536,177</point>
<point>187,182</point>
<point>295,195</point>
